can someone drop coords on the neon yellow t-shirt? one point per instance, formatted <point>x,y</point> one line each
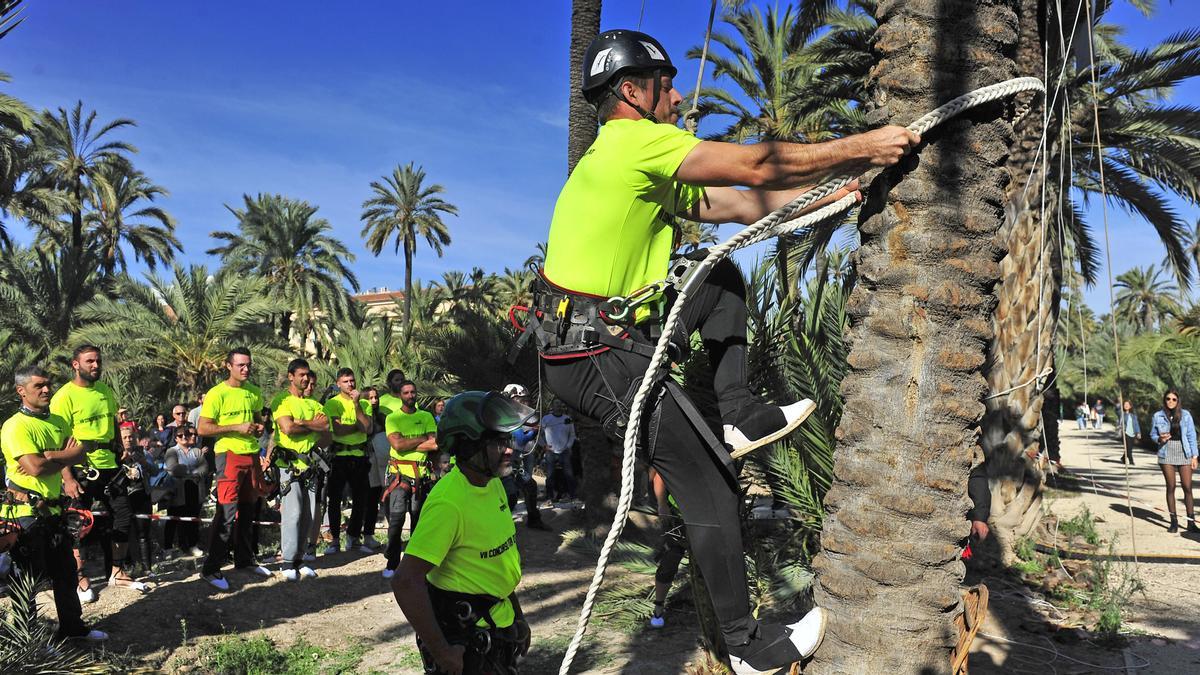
<point>91,415</point>
<point>28,435</point>
<point>338,409</point>
<point>389,404</point>
<point>419,423</point>
<point>272,405</point>
<point>611,232</point>
<point>226,405</point>
<point>300,410</point>
<point>467,534</point>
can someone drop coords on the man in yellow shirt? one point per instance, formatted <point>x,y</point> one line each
<point>90,409</point>
<point>302,427</point>
<point>37,447</point>
<point>457,581</point>
<point>612,234</point>
<point>350,415</point>
<point>412,433</point>
<point>232,414</point>
<point>389,401</point>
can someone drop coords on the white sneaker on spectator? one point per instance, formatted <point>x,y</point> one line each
<point>94,635</point>
<point>86,595</point>
<point>291,575</point>
<point>217,580</point>
<point>308,572</point>
<point>388,573</point>
<point>259,570</point>
<point>195,552</point>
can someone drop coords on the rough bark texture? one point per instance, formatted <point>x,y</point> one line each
<point>920,326</point>
<point>1026,316</point>
<point>581,129</point>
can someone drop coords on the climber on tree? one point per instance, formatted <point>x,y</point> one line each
<point>612,235</point>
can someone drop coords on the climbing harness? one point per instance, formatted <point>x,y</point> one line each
<point>778,222</point>
<point>489,650</point>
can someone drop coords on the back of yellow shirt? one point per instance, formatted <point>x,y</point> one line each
<point>91,415</point>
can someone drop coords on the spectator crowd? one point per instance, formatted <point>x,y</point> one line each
<point>95,495</point>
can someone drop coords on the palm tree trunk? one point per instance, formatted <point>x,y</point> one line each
<point>408,256</point>
<point>581,127</point>
<point>889,572</point>
<point>1026,318</point>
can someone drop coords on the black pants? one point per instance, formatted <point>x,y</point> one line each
<point>44,550</point>
<point>143,528</point>
<point>406,499</point>
<point>348,472</point>
<point>231,525</point>
<point>706,497</point>
<point>371,510</point>
<point>1130,443</point>
<point>114,527</point>
<point>187,534</point>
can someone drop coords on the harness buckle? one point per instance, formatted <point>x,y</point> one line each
<point>620,306</point>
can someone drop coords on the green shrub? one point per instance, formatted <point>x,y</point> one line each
<point>1082,525</point>
<point>237,655</point>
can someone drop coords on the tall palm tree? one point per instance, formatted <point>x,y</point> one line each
<point>581,116</point>
<point>180,327</point>
<point>1144,300</point>
<point>919,331</point>
<point>306,269</point>
<point>404,210</point>
<point>125,213</point>
<point>15,121</point>
<point>75,150</point>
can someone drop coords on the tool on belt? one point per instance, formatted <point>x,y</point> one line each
<point>489,650</point>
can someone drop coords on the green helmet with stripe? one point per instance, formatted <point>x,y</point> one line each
<point>474,416</point>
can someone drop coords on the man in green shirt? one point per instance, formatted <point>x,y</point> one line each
<point>90,409</point>
<point>302,427</point>
<point>350,415</point>
<point>38,446</point>
<point>412,433</point>
<point>613,233</point>
<point>457,581</point>
<point>232,414</point>
<point>389,401</point>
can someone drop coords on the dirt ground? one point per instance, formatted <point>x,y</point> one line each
<point>351,604</point>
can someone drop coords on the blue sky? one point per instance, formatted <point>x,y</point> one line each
<point>314,101</point>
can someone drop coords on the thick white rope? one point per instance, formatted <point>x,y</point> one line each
<point>756,232</point>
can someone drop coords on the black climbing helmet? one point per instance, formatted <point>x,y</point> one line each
<point>474,415</point>
<point>615,52</point>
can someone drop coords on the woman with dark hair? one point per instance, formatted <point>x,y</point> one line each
<point>1175,434</point>
<point>1129,430</point>
<point>161,431</point>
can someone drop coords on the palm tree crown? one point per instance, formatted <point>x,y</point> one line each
<point>1144,299</point>
<point>121,216</point>
<point>281,240</point>
<point>404,210</point>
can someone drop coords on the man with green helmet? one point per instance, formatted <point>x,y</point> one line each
<point>456,583</point>
<point>612,235</point>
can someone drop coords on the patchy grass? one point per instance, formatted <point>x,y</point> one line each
<point>546,654</point>
<point>237,655</point>
<point>1082,526</point>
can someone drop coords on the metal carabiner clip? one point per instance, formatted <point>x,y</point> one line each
<point>621,305</point>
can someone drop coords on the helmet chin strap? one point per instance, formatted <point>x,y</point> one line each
<point>657,78</point>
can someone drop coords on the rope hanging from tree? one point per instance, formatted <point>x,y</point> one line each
<point>773,224</point>
<point>691,117</point>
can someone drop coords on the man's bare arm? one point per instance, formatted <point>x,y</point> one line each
<point>730,205</point>
<point>777,165</point>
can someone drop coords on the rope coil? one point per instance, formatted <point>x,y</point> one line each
<point>764,228</point>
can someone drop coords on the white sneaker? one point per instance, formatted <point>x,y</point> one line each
<point>791,416</point>
<point>808,632</point>
<point>291,575</point>
<point>94,635</point>
<point>86,595</point>
<point>388,574</point>
<point>371,542</point>
<point>260,571</point>
<point>308,572</point>
<point>195,552</point>
<point>217,581</point>
<point>138,586</point>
